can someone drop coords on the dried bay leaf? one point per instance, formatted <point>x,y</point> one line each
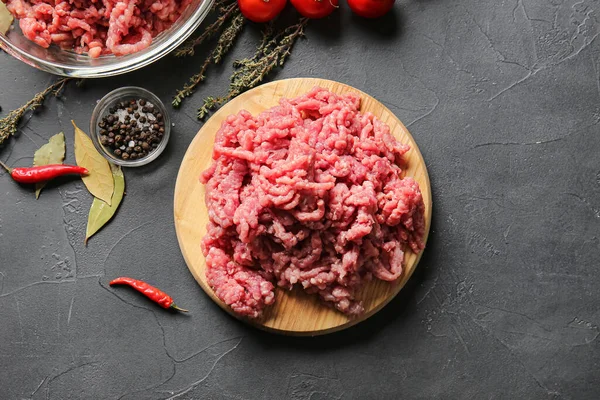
<point>6,18</point>
<point>52,152</point>
<point>99,181</point>
<point>100,212</point>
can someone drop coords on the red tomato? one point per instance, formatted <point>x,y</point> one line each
<point>371,8</point>
<point>315,8</point>
<point>261,10</point>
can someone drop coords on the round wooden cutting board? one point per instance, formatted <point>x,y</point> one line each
<point>294,313</point>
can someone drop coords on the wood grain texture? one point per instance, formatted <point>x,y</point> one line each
<point>294,313</point>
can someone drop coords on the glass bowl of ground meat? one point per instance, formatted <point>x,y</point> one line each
<point>93,39</point>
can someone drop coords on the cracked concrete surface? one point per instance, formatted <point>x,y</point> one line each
<point>502,98</point>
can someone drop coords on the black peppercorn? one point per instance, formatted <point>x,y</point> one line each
<point>135,106</point>
<point>145,146</point>
<point>111,118</point>
<point>104,140</point>
<point>136,115</point>
<point>142,119</point>
<point>125,156</point>
<point>129,150</point>
<point>127,138</point>
<point>117,152</point>
<point>111,141</point>
<point>161,130</point>
<point>119,138</point>
<point>145,109</point>
<point>159,116</point>
<point>133,156</point>
<point>130,110</point>
<point>137,149</point>
<point>142,102</point>
<point>155,127</point>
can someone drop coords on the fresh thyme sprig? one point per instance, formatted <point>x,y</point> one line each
<point>272,52</point>
<point>10,123</point>
<point>228,37</point>
<point>225,12</point>
<point>223,45</point>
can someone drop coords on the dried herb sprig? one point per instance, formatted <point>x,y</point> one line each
<point>223,45</point>
<point>195,80</point>
<point>228,37</point>
<point>226,11</point>
<point>10,123</point>
<point>272,52</point>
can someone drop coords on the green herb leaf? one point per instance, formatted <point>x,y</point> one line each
<point>100,212</point>
<point>100,180</point>
<point>6,18</point>
<point>52,152</point>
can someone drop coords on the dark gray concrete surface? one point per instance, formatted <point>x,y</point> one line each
<point>503,99</point>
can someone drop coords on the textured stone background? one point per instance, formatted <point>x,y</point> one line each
<point>503,99</point>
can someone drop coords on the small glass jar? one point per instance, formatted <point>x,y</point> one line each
<point>111,100</point>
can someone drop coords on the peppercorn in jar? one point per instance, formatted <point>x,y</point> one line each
<point>130,129</point>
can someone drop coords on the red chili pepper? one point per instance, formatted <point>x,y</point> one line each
<point>43,173</point>
<point>154,294</point>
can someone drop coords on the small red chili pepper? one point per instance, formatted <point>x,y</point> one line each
<point>154,294</point>
<point>43,173</point>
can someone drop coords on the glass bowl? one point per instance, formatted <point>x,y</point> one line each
<point>68,63</point>
<point>125,94</point>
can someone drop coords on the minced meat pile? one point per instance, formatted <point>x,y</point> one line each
<point>307,193</point>
<point>95,27</point>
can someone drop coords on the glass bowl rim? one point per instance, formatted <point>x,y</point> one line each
<point>114,96</point>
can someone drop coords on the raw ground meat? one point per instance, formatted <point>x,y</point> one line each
<point>307,193</point>
<point>95,27</point>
